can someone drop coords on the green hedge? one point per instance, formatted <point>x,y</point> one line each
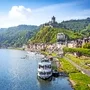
<point>85,52</point>
<point>87,45</point>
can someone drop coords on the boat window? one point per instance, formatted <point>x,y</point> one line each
<point>45,73</point>
<point>40,66</point>
<point>45,66</point>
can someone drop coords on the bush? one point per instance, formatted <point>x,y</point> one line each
<point>80,51</point>
<point>86,45</point>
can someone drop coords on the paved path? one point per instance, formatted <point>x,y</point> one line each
<point>85,71</point>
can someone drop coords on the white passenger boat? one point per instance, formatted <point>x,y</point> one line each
<point>45,69</point>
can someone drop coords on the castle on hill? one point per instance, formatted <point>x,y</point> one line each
<point>52,23</point>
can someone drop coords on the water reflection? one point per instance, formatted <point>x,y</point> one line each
<point>18,71</point>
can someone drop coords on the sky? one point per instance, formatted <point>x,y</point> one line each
<point>36,12</point>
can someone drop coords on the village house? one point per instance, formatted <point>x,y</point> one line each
<point>78,42</point>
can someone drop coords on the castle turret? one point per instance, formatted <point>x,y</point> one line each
<point>52,23</point>
<point>53,19</point>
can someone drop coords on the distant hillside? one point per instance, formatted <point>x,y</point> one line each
<point>76,25</point>
<point>19,35</point>
<point>48,34</point>
<point>16,36</point>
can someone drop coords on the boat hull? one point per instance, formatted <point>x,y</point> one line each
<point>45,78</point>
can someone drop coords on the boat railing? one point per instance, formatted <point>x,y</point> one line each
<point>43,60</point>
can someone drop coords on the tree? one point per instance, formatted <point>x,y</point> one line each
<point>87,45</point>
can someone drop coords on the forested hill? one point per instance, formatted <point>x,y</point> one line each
<point>19,35</point>
<point>49,35</point>
<point>16,36</point>
<point>76,25</point>
<point>86,31</point>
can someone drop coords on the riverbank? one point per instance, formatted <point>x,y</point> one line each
<point>78,80</point>
<point>16,48</point>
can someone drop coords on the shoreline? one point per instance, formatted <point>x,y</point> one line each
<point>18,48</point>
<point>72,83</point>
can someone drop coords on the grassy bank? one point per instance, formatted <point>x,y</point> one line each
<point>44,53</point>
<point>81,61</point>
<point>47,53</point>
<point>80,81</point>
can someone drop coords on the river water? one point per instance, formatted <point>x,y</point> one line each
<point>18,71</point>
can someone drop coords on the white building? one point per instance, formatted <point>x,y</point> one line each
<point>61,38</point>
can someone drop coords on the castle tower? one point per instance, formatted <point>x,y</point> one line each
<point>53,19</point>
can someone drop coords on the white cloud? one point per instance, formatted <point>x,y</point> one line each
<point>17,15</point>
<point>19,12</point>
<point>22,15</point>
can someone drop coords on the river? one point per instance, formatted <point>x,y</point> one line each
<point>18,71</point>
